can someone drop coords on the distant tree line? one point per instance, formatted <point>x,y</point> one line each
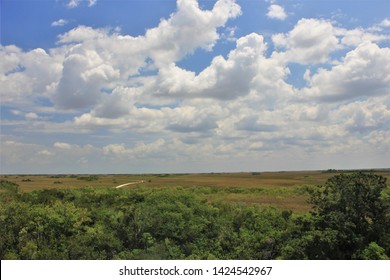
<point>350,220</point>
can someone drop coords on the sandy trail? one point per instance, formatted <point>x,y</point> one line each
<point>132,183</point>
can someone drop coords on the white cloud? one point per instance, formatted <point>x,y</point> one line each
<point>115,149</point>
<point>32,116</point>
<point>223,79</point>
<point>92,3</point>
<point>100,58</point>
<point>60,22</point>
<point>379,139</point>
<point>365,116</point>
<point>84,74</point>
<point>27,75</point>
<point>61,145</point>
<point>82,33</point>
<point>140,149</point>
<point>242,106</point>
<point>229,34</point>
<point>27,158</point>
<point>74,150</point>
<point>45,153</point>
<point>14,152</point>
<point>187,119</point>
<point>276,12</point>
<point>189,28</point>
<point>261,101</point>
<point>385,23</point>
<point>75,3</point>
<point>364,72</point>
<point>354,37</point>
<point>311,41</point>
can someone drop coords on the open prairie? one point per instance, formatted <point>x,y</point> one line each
<point>286,189</point>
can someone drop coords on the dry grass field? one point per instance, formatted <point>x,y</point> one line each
<point>285,190</point>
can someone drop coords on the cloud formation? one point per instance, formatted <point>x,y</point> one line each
<point>129,100</point>
<point>276,12</point>
<point>60,22</point>
<point>364,72</point>
<point>310,41</point>
<point>75,3</point>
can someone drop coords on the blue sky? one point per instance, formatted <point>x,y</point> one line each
<point>99,86</point>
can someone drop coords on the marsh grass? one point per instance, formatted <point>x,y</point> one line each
<point>284,190</point>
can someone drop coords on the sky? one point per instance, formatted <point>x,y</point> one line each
<point>114,86</point>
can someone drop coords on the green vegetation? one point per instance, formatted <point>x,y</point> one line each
<point>350,219</point>
<point>89,178</point>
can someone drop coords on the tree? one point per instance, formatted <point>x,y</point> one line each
<point>350,215</point>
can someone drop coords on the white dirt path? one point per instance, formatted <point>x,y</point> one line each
<point>132,183</point>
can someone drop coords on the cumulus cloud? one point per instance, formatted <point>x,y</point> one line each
<point>61,145</point>
<point>189,28</point>
<point>354,37</point>
<point>365,116</point>
<point>17,154</point>
<point>223,79</point>
<point>140,149</point>
<point>74,150</point>
<point>385,23</point>
<point>82,33</point>
<point>99,57</point>
<point>60,22</point>
<point>364,72</point>
<point>27,75</point>
<point>187,119</point>
<point>310,41</point>
<point>252,123</point>
<point>115,105</point>
<point>84,74</point>
<point>242,104</point>
<point>276,12</point>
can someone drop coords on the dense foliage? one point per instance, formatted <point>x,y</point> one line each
<point>350,220</point>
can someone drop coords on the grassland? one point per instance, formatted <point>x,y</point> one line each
<point>195,216</point>
<point>284,190</point>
